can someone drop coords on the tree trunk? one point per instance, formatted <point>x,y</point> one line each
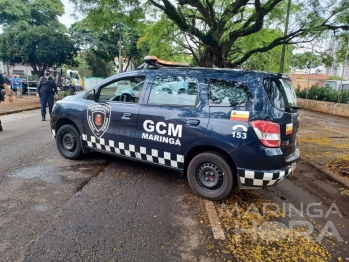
<point>206,58</point>
<point>215,56</point>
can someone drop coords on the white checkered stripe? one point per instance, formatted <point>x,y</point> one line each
<point>147,154</point>
<point>252,178</point>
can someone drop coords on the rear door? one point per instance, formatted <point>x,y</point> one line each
<point>284,112</point>
<point>170,121</point>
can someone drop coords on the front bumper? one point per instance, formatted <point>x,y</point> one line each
<point>53,132</point>
<point>263,178</point>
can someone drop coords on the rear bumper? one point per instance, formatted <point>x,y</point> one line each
<point>255,179</point>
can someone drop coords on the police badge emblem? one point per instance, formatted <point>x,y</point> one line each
<point>98,118</point>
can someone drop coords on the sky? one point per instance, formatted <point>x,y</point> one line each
<point>67,19</point>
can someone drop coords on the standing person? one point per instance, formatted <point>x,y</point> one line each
<point>3,84</point>
<point>46,89</point>
<point>7,79</point>
<point>14,83</point>
<point>19,86</point>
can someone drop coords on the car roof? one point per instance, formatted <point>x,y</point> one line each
<point>153,63</point>
<point>213,71</point>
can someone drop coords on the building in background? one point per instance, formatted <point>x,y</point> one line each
<point>17,69</point>
<point>332,46</point>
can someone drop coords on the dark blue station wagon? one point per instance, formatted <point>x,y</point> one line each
<point>222,127</point>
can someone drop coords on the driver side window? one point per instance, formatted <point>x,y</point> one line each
<point>123,90</point>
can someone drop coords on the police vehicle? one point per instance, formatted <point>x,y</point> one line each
<point>222,127</point>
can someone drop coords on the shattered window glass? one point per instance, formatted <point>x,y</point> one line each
<point>228,93</point>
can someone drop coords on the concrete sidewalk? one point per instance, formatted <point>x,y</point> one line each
<point>323,138</point>
<point>26,102</point>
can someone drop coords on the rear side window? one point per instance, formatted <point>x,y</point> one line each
<point>174,90</point>
<point>228,93</point>
<point>281,93</point>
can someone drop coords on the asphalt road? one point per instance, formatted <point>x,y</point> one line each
<point>103,208</point>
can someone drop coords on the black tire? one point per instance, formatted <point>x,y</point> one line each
<point>210,176</point>
<point>68,142</point>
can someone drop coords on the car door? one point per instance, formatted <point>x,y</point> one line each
<point>170,121</point>
<point>111,116</point>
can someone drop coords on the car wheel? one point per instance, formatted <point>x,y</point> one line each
<point>68,142</point>
<point>210,176</point>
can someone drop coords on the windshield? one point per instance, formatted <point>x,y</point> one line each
<point>74,75</point>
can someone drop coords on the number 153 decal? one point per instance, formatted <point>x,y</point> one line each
<point>239,134</point>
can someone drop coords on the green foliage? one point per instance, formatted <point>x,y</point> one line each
<point>340,54</point>
<point>164,40</point>
<point>264,61</point>
<point>38,46</point>
<point>62,94</point>
<point>83,67</point>
<point>35,12</point>
<point>215,33</point>
<point>103,40</point>
<point>333,77</point>
<point>96,65</point>
<point>12,11</point>
<point>303,60</point>
<point>327,59</point>
<point>322,94</point>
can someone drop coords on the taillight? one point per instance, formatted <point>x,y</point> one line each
<point>267,132</point>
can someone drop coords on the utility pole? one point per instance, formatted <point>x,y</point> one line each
<point>345,61</point>
<point>120,57</point>
<point>282,61</point>
<point>120,48</point>
<point>311,58</point>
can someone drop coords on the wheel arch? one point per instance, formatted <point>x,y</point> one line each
<point>209,148</point>
<point>65,121</point>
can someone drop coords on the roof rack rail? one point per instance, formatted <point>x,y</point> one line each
<point>154,62</point>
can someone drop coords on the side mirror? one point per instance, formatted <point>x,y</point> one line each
<point>91,95</point>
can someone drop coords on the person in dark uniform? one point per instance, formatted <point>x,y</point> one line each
<point>9,92</point>
<point>46,90</point>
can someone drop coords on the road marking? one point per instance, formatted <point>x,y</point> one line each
<point>214,220</point>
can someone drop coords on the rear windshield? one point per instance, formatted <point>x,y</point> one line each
<point>281,93</point>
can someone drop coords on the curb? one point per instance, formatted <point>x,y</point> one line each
<point>333,176</point>
<point>19,110</point>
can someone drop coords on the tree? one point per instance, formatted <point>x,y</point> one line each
<point>33,35</point>
<point>104,40</point>
<point>306,60</point>
<point>38,46</point>
<point>97,65</point>
<point>265,61</point>
<point>35,12</point>
<point>213,29</point>
<point>11,11</point>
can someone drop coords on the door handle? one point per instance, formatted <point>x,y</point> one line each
<point>126,115</point>
<point>192,122</point>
